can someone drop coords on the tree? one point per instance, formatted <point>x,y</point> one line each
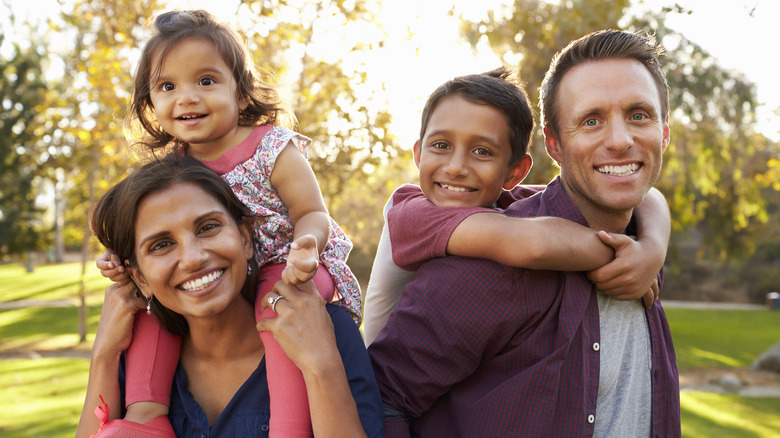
<point>716,167</point>
<point>23,92</point>
<point>334,103</point>
<point>526,34</point>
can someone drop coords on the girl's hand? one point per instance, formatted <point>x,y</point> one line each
<point>303,260</point>
<point>303,327</point>
<point>111,267</point>
<point>115,329</point>
<point>629,276</point>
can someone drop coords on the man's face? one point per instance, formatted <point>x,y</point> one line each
<point>611,136</point>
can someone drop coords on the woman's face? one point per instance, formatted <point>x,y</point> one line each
<point>191,254</point>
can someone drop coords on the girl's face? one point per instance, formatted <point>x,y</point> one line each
<point>194,98</point>
<point>191,254</point>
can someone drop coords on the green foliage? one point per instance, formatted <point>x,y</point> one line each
<point>355,157</point>
<point>527,35</point>
<point>719,175</point>
<point>23,93</point>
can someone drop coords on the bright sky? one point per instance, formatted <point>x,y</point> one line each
<point>741,34</point>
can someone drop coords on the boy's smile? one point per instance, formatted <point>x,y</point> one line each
<point>463,159</point>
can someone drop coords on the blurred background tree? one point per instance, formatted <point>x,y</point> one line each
<point>719,174</point>
<point>64,132</point>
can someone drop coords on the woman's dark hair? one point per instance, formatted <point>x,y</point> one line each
<point>265,105</point>
<point>113,217</point>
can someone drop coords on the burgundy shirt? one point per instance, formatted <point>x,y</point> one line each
<point>478,349</point>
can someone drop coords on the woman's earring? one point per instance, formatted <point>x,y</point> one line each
<point>149,305</point>
<point>248,269</point>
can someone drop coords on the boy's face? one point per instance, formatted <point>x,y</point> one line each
<point>463,159</point>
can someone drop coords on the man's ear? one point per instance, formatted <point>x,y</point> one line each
<point>518,172</point>
<point>417,153</point>
<point>667,135</point>
<point>553,145</point>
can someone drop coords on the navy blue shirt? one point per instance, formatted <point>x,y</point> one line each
<point>248,412</point>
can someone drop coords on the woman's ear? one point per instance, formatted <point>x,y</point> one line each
<point>138,279</point>
<point>245,228</point>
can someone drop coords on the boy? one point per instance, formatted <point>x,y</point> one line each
<point>472,151</point>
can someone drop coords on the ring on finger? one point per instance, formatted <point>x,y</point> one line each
<point>273,300</point>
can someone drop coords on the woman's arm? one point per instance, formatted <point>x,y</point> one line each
<point>113,336</point>
<point>305,332</point>
<point>294,179</point>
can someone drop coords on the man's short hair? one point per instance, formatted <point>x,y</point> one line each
<point>603,44</point>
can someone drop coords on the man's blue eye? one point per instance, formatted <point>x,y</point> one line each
<point>591,122</point>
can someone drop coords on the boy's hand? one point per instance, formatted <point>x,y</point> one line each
<point>111,267</point>
<point>630,276</point>
<point>303,261</point>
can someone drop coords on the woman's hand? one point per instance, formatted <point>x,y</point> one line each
<point>304,330</point>
<point>303,327</point>
<point>115,329</point>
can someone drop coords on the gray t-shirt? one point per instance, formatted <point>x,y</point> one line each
<point>623,407</point>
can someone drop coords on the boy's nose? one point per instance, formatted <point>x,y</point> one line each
<point>456,164</point>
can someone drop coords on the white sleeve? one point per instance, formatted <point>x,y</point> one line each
<point>385,285</point>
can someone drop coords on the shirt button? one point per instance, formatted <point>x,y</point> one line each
<point>596,346</point>
<point>264,428</point>
<point>591,419</point>
<point>203,435</point>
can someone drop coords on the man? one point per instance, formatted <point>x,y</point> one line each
<point>480,349</point>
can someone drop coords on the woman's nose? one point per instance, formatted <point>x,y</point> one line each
<point>192,256</point>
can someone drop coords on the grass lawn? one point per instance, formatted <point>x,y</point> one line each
<point>43,397</point>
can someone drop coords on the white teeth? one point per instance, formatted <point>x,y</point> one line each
<point>189,117</point>
<point>455,189</point>
<point>624,170</point>
<point>202,282</point>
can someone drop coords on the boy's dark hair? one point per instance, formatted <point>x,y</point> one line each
<point>113,217</point>
<point>265,104</point>
<point>600,45</point>
<point>498,88</point>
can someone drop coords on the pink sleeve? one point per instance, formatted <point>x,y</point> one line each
<point>419,230</point>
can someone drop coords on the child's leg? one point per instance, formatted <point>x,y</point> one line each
<point>151,363</point>
<point>290,415</point>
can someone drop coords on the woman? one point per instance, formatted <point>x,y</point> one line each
<point>191,255</point>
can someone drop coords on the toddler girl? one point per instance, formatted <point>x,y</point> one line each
<point>197,92</point>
